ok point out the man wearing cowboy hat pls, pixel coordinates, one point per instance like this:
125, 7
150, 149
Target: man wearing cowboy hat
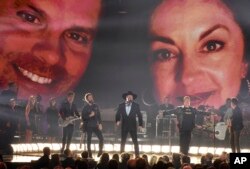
126, 114
92, 122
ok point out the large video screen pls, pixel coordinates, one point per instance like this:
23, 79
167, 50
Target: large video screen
157, 49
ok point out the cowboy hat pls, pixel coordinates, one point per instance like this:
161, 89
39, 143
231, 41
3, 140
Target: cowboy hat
124, 95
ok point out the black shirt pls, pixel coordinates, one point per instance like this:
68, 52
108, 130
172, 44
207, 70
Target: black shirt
94, 120
186, 118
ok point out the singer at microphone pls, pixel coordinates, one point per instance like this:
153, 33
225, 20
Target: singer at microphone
92, 122
126, 116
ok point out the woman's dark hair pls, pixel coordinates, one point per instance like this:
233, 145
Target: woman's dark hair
113, 164
116, 157
234, 101
104, 159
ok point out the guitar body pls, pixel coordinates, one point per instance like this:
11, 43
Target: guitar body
67, 121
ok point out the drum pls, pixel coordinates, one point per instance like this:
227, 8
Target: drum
220, 130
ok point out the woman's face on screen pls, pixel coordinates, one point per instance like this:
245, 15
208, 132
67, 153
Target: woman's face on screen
196, 50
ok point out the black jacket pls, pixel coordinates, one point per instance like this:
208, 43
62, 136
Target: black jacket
129, 121
237, 120
94, 120
186, 118
43, 162
66, 111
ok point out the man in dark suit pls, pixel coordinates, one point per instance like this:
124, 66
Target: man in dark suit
92, 122
68, 109
126, 114
236, 125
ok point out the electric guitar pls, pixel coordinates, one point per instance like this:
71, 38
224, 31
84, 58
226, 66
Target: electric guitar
67, 121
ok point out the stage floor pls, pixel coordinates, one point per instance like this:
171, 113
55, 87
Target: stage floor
28, 152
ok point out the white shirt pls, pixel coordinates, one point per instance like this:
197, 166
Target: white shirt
128, 108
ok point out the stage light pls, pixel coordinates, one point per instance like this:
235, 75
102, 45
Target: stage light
24, 146
73, 147
29, 148
203, 150
175, 149
194, 160
219, 150
56, 146
156, 149
34, 147
194, 150
96, 147
20, 148
108, 147
80, 149
211, 150
47, 145
165, 149
129, 148
228, 150
245, 150
116, 147
146, 148
15, 148
40, 147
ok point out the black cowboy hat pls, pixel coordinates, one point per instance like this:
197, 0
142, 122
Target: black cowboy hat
124, 95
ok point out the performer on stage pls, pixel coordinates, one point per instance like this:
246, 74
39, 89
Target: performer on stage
52, 120
126, 114
9, 122
226, 111
92, 122
236, 126
186, 123
10, 93
31, 116
68, 109
166, 105
163, 108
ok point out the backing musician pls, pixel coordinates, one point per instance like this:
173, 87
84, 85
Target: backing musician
236, 125
162, 112
68, 109
92, 122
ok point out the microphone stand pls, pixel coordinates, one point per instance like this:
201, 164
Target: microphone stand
213, 132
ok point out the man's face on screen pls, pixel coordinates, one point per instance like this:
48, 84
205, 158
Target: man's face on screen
45, 46
196, 53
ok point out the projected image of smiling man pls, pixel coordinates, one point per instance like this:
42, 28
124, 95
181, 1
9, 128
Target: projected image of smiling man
45, 46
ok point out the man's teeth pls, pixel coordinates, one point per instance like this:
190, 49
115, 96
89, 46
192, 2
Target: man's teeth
35, 77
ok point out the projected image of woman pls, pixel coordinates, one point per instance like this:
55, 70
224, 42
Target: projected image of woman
197, 49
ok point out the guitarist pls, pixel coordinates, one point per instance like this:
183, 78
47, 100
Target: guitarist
68, 109
92, 122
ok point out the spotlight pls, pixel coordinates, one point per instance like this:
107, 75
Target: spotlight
203, 150
146, 148
175, 149
194, 150
156, 149
165, 149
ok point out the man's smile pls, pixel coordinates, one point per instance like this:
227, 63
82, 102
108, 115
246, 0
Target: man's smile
34, 77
